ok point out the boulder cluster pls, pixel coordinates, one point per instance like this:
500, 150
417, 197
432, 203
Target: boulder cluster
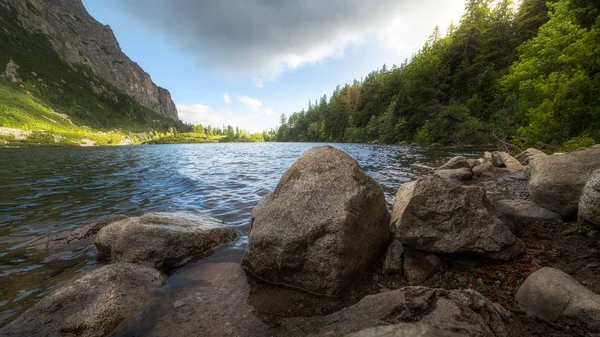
326, 230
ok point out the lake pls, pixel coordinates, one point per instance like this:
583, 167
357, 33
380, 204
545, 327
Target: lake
47, 190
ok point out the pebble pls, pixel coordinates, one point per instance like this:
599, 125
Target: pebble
567, 232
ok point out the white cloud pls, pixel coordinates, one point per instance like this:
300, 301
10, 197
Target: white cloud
268, 111
226, 98
203, 114
252, 103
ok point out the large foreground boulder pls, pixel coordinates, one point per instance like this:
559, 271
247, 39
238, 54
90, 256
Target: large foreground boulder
557, 181
435, 215
93, 305
325, 224
518, 214
465, 312
589, 204
556, 297
162, 240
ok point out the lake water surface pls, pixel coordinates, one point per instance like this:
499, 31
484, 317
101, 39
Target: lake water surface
47, 190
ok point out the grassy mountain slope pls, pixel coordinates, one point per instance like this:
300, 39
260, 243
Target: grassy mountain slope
45, 87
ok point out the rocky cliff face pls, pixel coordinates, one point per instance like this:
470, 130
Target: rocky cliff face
79, 39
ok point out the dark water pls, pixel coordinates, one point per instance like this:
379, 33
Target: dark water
47, 190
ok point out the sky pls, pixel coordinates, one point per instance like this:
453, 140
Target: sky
246, 62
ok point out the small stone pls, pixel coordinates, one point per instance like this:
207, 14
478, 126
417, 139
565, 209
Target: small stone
566, 232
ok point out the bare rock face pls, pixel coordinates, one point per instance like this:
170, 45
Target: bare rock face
589, 204
557, 181
497, 160
465, 312
162, 240
435, 215
79, 39
325, 224
556, 297
93, 305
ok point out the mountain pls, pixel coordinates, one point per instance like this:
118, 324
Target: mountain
63, 72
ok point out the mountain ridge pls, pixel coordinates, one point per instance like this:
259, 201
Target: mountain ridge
79, 39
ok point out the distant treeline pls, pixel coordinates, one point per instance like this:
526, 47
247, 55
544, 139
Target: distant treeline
529, 74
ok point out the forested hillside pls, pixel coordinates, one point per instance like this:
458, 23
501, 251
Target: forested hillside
529, 74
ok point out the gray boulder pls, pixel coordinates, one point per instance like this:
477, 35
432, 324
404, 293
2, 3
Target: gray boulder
459, 174
435, 215
465, 312
517, 214
529, 155
325, 224
419, 266
93, 305
393, 257
557, 181
589, 204
162, 240
497, 160
403, 330
556, 297
455, 163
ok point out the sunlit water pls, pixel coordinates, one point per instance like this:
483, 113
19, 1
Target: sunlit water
47, 190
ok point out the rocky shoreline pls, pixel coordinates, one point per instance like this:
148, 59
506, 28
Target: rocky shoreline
483, 247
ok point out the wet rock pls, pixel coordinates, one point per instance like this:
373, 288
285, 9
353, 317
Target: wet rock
393, 257
435, 215
162, 240
497, 160
459, 174
403, 330
455, 163
465, 312
556, 297
93, 305
76, 237
419, 266
557, 181
589, 203
325, 224
517, 214
528, 155
485, 168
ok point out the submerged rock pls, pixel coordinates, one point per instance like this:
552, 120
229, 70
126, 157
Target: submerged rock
325, 224
403, 330
93, 305
557, 181
529, 155
589, 204
517, 214
554, 296
78, 236
435, 215
162, 240
465, 312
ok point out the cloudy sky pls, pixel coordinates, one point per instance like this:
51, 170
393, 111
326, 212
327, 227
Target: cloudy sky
246, 62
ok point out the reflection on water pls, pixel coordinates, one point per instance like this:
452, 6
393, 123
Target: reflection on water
47, 190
